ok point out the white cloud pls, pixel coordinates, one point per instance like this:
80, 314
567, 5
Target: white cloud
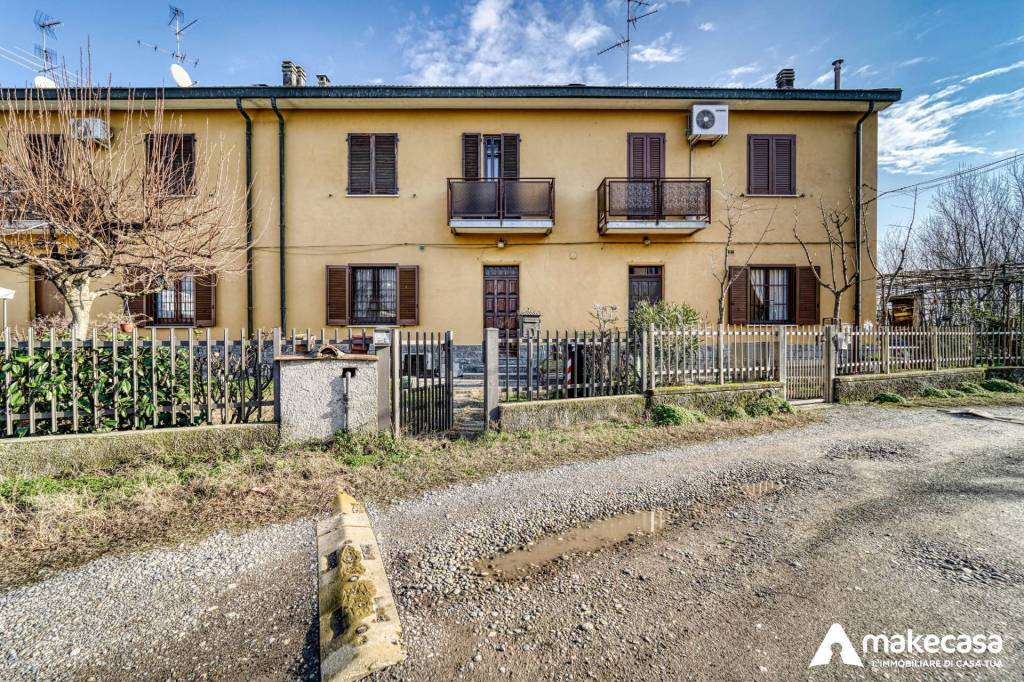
503, 42
915, 61
1016, 41
707, 27
920, 134
823, 78
995, 72
743, 70
866, 71
659, 51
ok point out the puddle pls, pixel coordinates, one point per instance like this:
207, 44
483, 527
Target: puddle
760, 488
586, 538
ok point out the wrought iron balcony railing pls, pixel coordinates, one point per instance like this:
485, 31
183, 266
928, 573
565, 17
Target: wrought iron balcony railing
666, 202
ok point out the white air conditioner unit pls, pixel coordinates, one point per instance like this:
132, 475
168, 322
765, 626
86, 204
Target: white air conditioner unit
91, 130
709, 120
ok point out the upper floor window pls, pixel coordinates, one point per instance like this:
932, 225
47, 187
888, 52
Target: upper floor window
646, 155
771, 164
373, 163
171, 159
489, 156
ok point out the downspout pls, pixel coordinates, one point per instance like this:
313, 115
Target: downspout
280, 218
857, 214
248, 215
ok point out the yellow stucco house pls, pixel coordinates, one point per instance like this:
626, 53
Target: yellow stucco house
456, 208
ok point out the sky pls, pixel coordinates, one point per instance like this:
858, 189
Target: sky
960, 64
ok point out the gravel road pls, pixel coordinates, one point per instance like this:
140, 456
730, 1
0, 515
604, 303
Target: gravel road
877, 519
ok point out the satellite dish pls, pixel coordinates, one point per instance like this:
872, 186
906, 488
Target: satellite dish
44, 82
180, 76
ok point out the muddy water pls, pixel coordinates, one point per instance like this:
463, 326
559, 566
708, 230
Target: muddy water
586, 538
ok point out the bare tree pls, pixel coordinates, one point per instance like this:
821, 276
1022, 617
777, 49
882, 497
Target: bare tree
737, 211
843, 268
893, 255
124, 216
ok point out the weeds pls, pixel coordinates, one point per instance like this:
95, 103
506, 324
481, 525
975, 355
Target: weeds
768, 406
889, 398
1002, 386
673, 415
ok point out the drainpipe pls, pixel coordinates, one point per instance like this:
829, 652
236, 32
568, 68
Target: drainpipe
280, 218
248, 215
857, 215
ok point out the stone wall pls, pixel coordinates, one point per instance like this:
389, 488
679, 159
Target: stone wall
1008, 373
713, 399
867, 386
549, 414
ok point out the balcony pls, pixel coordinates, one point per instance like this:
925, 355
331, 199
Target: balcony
653, 205
501, 206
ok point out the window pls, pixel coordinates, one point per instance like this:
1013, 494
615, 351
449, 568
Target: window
372, 163
769, 295
45, 153
646, 155
644, 284
374, 295
176, 303
490, 156
771, 164
171, 159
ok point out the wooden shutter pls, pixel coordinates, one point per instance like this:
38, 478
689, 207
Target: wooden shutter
656, 156
408, 295
185, 170
510, 156
385, 164
337, 295
646, 155
759, 164
808, 296
637, 156
739, 295
360, 179
471, 155
138, 308
784, 164
206, 300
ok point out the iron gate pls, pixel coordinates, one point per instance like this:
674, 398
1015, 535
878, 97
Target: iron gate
425, 364
806, 369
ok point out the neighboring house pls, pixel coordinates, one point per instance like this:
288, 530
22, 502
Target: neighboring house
456, 207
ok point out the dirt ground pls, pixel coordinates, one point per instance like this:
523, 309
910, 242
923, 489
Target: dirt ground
877, 519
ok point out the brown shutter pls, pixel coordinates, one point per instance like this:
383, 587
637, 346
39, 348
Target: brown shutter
206, 300
471, 155
758, 164
637, 156
138, 308
337, 295
808, 296
509, 156
186, 168
783, 164
359, 176
408, 295
656, 156
385, 164
739, 295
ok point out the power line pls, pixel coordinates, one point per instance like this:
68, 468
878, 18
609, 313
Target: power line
932, 183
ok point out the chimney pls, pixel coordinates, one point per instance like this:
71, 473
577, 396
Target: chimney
288, 74
785, 78
323, 80
300, 76
837, 69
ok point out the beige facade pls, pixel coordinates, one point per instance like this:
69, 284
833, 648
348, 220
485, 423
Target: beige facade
577, 140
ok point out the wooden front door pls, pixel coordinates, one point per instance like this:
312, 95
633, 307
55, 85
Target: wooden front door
501, 297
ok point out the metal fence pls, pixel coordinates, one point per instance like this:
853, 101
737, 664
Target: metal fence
422, 374
884, 350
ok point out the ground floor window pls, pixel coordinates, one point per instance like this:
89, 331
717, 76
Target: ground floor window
176, 304
769, 295
645, 284
374, 295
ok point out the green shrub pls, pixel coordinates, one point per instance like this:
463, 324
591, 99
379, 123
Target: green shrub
954, 393
768, 406
933, 392
1001, 386
673, 415
664, 315
890, 398
970, 388
733, 412
376, 449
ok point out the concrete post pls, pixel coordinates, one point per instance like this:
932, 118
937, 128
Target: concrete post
383, 352
491, 388
934, 342
885, 350
780, 357
830, 361
396, 382
652, 368
721, 354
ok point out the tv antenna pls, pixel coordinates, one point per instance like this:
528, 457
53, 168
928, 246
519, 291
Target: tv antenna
43, 60
47, 27
635, 11
176, 19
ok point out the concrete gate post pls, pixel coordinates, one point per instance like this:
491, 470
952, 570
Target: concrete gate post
491, 387
780, 357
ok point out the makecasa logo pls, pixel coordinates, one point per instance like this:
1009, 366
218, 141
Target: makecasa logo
922, 649
847, 654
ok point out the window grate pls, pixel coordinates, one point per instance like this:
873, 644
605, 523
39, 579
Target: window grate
374, 295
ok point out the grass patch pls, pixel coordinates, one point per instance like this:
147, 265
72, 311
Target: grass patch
889, 399
971, 388
954, 393
768, 406
733, 412
1002, 386
49, 523
674, 415
933, 392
